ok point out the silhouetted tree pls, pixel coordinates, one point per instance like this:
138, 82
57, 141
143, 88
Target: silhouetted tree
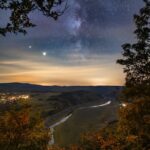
136, 57
19, 11
134, 119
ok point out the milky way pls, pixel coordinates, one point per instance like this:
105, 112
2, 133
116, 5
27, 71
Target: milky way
81, 47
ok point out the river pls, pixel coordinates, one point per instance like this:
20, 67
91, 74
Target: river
52, 141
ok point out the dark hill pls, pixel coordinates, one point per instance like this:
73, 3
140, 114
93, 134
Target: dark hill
25, 87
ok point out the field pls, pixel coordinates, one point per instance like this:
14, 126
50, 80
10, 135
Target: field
55, 105
84, 120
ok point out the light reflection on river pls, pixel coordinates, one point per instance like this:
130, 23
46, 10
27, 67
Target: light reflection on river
52, 141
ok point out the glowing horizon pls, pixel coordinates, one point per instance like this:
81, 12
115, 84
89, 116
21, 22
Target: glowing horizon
80, 48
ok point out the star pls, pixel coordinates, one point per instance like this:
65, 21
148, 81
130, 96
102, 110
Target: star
30, 46
44, 53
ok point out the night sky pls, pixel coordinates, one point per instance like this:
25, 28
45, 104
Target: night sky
80, 48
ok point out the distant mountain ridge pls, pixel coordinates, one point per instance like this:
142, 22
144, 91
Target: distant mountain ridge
26, 87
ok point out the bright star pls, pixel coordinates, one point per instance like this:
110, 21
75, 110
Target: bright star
44, 53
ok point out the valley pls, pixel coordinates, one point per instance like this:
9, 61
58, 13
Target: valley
83, 120
70, 112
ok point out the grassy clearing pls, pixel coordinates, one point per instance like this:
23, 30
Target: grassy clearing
86, 120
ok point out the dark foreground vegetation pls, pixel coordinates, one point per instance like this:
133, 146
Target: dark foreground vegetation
22, 128
19, 20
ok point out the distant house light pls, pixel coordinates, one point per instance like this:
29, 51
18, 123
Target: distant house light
123, 105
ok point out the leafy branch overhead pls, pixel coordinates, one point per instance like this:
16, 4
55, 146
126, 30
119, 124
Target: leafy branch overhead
19, 10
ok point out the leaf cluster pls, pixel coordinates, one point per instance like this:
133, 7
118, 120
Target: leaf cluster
20, 10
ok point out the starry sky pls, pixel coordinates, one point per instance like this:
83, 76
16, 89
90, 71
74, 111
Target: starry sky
80, 48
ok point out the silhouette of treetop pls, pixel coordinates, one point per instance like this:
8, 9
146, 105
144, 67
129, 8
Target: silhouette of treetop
136, 56
19, 10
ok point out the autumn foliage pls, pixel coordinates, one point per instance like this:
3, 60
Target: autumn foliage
22, 129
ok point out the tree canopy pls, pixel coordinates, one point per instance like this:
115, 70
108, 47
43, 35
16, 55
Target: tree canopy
19, 11
21, 128
136, 56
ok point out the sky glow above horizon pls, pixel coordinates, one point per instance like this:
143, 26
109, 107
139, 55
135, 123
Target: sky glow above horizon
80, 48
